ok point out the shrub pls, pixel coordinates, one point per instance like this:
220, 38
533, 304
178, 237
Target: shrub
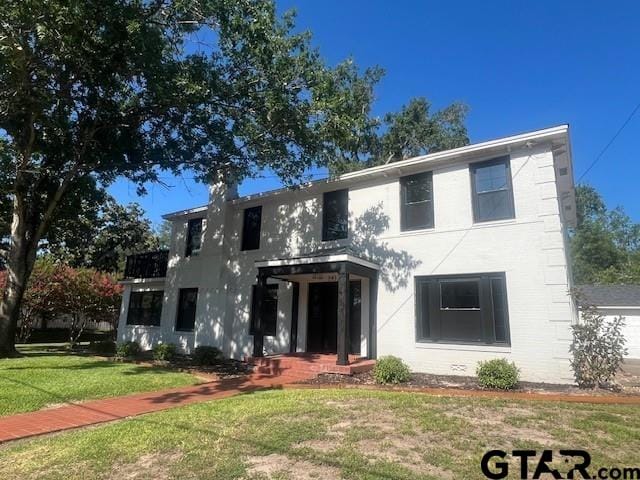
164, 351
498, 373
103, 347
390, 369
128, 349
207, 355
597, 349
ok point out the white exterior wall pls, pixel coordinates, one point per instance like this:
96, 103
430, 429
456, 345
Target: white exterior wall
530, 250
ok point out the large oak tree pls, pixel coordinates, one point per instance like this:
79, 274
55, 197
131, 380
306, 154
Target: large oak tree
92, 90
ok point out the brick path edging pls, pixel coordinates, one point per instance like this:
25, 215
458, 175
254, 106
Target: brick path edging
456, 392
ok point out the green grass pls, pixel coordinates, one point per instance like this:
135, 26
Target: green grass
325, 434
43, 378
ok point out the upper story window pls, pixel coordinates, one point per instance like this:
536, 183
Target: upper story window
335, 215
194, 237
417, 201
251, 228
145, 308
462, 309
492, 190
187, 301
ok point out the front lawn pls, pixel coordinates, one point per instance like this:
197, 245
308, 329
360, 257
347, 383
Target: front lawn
327, 434
44, 378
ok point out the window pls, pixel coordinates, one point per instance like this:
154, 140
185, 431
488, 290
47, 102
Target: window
417, 201
462, 309
335, 215
145, 308
187, 301
251, 228
194, 237
492, 190
459, 295
269, 310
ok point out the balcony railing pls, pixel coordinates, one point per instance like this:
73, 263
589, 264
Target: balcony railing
147, 265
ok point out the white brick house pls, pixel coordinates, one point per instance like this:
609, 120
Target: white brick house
442, 260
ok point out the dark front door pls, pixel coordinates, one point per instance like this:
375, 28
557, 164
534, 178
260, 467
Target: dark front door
322, 322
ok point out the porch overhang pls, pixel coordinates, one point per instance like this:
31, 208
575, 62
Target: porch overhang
342, 261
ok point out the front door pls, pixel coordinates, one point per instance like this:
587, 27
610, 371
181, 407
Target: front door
322, 322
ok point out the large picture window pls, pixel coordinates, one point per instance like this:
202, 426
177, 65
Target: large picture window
194, 237
492, 190
187, 301
462, 309
269, 310
251, 228
417, 201
145, 308
335, 215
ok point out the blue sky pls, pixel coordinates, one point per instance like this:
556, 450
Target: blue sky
519, 66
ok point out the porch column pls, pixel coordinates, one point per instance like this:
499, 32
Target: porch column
372, 342
258, 335
343, 316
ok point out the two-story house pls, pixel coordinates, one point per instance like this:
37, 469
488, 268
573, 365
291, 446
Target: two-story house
443, 260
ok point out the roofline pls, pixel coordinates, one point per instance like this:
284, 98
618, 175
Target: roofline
550, 132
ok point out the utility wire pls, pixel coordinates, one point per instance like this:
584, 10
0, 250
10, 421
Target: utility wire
613, 139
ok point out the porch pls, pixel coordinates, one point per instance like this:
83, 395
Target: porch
336, 294
305, 364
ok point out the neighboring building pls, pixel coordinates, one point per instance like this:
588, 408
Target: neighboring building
443, 260
614, 301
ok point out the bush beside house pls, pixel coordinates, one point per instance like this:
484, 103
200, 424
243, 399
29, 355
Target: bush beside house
597, 349
498, 373
390, 369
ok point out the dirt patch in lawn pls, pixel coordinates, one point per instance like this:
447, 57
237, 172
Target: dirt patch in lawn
276, 465
151, 465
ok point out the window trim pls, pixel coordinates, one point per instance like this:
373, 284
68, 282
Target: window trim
243, 241
473, 167
325, 232
195, 313
421, 302
134, 292
268, 286
403, 202
189, 251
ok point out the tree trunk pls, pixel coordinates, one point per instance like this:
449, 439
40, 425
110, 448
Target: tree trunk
22, 256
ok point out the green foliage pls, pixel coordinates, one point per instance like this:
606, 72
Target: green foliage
597, 349
390, 369
102, 237
92, 91
165, 351
605, 245
411, 132
498, 373
207, 355
128, 349
103, 347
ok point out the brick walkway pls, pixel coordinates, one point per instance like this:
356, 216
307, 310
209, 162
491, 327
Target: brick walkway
74, 415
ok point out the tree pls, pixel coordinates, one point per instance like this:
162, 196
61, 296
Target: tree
163, 234
605, 245
411, 132
103, 239
94, 90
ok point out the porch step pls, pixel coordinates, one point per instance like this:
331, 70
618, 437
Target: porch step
308, 365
